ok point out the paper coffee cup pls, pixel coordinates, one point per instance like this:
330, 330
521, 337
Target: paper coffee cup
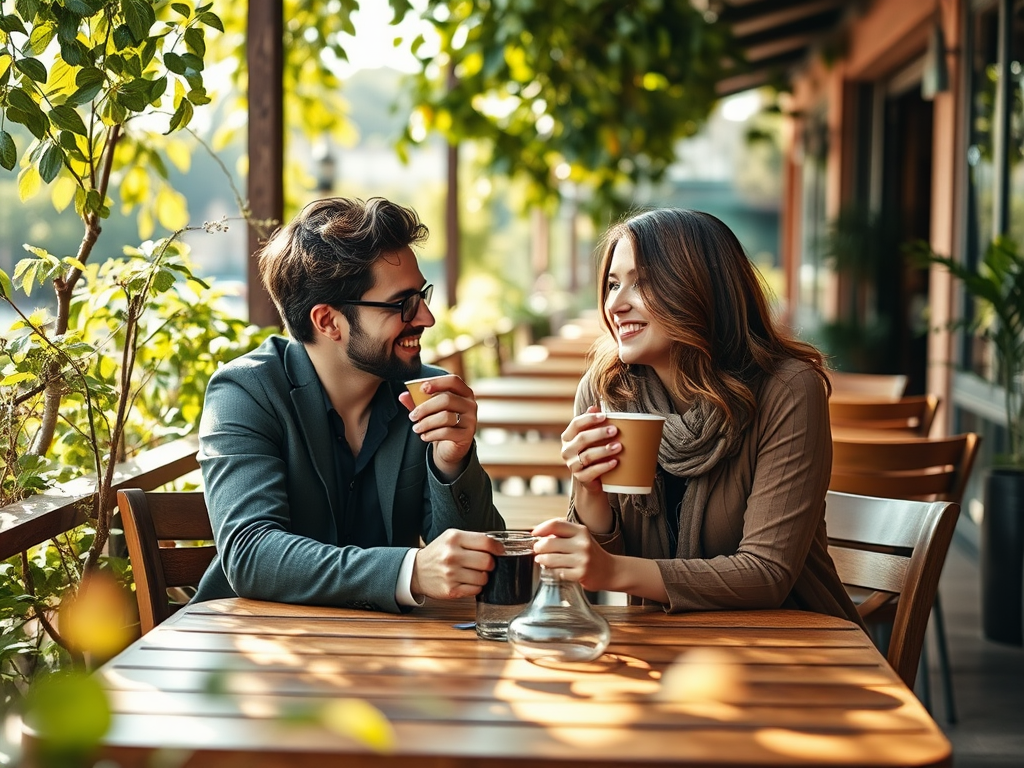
640, 435
419, 397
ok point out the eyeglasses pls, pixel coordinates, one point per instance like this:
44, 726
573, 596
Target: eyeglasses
408, 306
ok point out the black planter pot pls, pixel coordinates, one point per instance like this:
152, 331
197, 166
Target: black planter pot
1002, 557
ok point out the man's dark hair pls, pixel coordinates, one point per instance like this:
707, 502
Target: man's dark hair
326, 253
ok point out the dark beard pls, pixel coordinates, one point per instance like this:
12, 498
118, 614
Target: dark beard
378, 359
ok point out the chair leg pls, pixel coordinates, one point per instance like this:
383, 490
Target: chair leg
944, 667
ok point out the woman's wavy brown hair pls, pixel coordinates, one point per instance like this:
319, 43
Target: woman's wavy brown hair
699, 286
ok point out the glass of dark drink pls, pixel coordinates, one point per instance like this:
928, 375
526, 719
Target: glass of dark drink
509, 587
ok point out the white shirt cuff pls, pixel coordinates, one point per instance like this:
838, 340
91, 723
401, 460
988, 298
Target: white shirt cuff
403, 589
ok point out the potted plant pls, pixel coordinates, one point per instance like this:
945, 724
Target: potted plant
998, 288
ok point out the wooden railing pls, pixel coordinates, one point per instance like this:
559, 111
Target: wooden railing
43, 516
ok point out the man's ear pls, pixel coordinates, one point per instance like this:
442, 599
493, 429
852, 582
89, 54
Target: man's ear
328, 322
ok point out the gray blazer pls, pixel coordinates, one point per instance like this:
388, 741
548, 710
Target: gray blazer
266, 452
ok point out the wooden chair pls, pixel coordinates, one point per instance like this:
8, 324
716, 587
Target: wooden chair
154, 522
914, 414
871, 386
930, 469
923, 468
893, 548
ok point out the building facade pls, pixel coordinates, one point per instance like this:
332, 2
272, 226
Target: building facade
909, 130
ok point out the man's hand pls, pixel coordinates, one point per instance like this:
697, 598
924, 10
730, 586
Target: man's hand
448, 420
455, 564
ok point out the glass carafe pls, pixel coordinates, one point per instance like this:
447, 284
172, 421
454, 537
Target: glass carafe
559, 624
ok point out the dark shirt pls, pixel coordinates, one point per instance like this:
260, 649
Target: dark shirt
675, 487
358, 516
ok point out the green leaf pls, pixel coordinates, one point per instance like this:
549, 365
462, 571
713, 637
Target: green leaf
16, 378
73, 52
41, 36
89, 76
79, 8
27, 9
163, 280
68, 141
181, 117
129, 99
32, 69
52, 162
19, 98
93, 201
84, 95
156, 89
181, 9
211, 19
8, 151
198, 96
140, 17
195, 41
174, 63
115, 63
148, 51
68, 119
123, 37
24, 110
192, 61
114, 113
134, 66
11, 23
6, 286
67, 22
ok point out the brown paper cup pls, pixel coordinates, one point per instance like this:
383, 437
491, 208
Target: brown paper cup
640, 435
419, 397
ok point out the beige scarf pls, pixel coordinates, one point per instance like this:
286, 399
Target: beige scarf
692, 445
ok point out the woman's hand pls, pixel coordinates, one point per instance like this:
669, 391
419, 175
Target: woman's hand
589, 448
570, 549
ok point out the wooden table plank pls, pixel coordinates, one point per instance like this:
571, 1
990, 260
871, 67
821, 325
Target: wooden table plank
545, 388
551, 366
563, 346
522, 458
608, 745
524, 416
531, 509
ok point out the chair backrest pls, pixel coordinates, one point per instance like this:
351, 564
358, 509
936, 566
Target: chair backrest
923, 468
892, 548
156, 524
875, 386
914, 414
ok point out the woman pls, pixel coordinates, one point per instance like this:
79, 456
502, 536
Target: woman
736, 517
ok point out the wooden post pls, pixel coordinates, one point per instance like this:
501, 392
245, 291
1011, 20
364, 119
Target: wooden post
452, 256
265, 55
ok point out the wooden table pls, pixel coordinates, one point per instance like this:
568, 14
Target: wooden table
525, 512
551, 366
522, 458
759, 688
550, 388
561, 346
524, 415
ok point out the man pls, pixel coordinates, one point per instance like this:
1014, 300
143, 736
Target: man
320, 487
